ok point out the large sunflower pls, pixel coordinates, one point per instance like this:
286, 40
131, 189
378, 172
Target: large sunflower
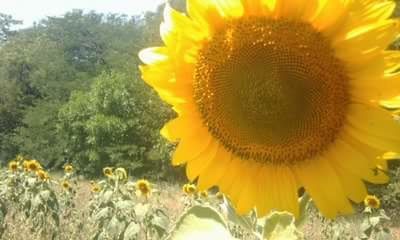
273, 95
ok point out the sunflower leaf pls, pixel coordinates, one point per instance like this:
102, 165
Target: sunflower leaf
281, 226
199, 223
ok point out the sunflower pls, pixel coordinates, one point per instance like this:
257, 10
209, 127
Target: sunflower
274, 95
42, 175
32, 165
143, 187
108, 171
13, 166
372, 201
189, 189
66, 185
219, 196
204, 194
96, 188
121, 174
68, 168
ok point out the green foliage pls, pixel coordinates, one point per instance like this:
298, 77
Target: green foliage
31, 197
42, 65
201, 222
116, 123
118, 213
281, 226
37, 135
390, 194
6, 23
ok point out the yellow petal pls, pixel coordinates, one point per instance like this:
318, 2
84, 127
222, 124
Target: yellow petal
215, 169
256, 8
247, 199
178, 30
205, 14
197, 165
364, 13
153, 55
296, 9
191, 146
178, 128
352, 185
286, 187
265, 199
374, 89
371, 39
350, 155
330, 15
391, 104
378, 128
232, 172
241, 182
392, 61
229, 8
324, 187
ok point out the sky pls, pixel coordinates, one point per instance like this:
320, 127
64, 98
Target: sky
30, 11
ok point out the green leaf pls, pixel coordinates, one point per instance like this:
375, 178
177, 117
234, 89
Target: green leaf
374, 220
115, 228
247, 221
303, 204
160, 222
383, 234
141, 209
281, 226
200, 223
102, 214
132, 231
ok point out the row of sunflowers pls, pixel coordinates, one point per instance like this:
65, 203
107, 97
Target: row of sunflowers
120, 208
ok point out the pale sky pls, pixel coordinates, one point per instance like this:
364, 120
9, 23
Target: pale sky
31, 11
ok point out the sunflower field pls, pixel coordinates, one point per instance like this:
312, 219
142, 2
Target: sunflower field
203, 119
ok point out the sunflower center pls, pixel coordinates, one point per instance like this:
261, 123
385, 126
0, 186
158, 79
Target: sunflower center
271, 90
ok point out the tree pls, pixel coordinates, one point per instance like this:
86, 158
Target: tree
6, 24
116, 123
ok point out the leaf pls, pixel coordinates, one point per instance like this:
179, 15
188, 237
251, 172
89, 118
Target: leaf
141, 209
107, 196
125, 205
245, 221
383, 234
281, 226
160, 222
132, 231
115, 227
374, 220
200, 223
303, 204
102, 214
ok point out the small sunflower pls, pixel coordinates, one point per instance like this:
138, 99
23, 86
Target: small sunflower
274, 95
68, 168
372, 201
108, 171
13, 166
25, 164
189, 189
33, 165
204, 194
96, 188
143, 186
42, 175
219, 196
66, 185
121, 174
